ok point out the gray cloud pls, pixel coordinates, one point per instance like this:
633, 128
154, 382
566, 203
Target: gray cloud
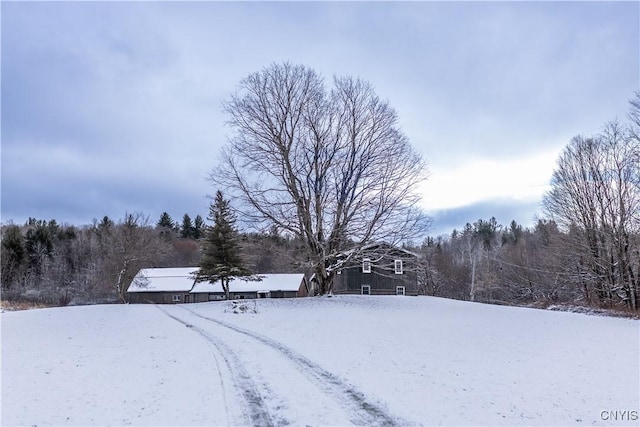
504, 211
119, 104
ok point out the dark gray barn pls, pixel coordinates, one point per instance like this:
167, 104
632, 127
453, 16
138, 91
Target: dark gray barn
177, 285
271, 286
162, 286
379, 269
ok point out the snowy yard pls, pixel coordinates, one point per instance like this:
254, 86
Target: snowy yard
318, 361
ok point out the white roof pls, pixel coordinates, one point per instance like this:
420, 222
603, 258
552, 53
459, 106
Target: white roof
269, 283
181, 280
163, 280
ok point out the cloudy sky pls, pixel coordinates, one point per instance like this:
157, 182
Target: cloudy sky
110, 108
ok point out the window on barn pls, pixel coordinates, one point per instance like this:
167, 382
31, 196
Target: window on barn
399, 290
398, 266
366, 290
366, 265
176, 298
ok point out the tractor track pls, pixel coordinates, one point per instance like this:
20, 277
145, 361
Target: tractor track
361, 409
254, 405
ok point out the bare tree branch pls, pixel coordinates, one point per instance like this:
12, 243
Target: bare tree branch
331, 168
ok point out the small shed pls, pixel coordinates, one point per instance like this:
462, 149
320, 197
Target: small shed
162, 285
271, 286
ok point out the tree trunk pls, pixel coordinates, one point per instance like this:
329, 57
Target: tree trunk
325, 284
225, 287
119, 287
472, 293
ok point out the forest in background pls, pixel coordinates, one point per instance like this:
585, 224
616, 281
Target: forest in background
48, 263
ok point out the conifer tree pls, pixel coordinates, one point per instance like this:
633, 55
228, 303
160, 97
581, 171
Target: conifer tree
14, 255
221, 258
186, 231
198, 227
165, 221
166, 226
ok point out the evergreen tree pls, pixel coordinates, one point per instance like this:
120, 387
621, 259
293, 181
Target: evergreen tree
221, 258
186, 231
38, 243
106, 223
103, 228
165, 221
13, 255
166, 226
198, 227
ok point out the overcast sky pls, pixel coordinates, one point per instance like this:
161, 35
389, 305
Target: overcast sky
114, 107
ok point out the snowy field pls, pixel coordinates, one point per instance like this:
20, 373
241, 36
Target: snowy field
318, 361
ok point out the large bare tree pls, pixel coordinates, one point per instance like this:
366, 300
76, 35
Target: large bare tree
328, 166
595, 198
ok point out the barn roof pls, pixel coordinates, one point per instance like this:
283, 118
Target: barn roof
382, 247
181, 280
163, 280
269, 282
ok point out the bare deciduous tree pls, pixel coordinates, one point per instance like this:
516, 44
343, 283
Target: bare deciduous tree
127, 247
595, 197
331, 168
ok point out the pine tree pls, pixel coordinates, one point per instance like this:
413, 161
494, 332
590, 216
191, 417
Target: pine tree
165, 221
198, 227
14, 255
166, 226
221, 258
186, 231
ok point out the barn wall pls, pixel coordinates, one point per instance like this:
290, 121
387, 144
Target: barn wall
206, 297
158, 297
284, 294
200, 297
382, 282
145, 297
243, 295
303, 291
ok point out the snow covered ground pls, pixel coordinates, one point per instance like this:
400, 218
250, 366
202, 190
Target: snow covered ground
318, 361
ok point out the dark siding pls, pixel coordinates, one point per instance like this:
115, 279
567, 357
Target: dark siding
157, 297
243, 295
382, 281
185, 297
284, 294
206, 297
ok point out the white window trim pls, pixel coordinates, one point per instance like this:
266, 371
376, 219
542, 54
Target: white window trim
366, 265
176, 298
400, 289
397, 263
368, 289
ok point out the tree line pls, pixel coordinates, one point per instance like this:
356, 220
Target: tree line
325, 168
485, 261
46, 262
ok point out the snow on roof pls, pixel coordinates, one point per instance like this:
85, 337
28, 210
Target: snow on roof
269, 283
181, 280
163, 280
371, 248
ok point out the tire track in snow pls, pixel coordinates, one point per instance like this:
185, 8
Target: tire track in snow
258, 414
363, 410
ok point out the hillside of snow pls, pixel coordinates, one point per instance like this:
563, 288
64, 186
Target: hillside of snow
318, 361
